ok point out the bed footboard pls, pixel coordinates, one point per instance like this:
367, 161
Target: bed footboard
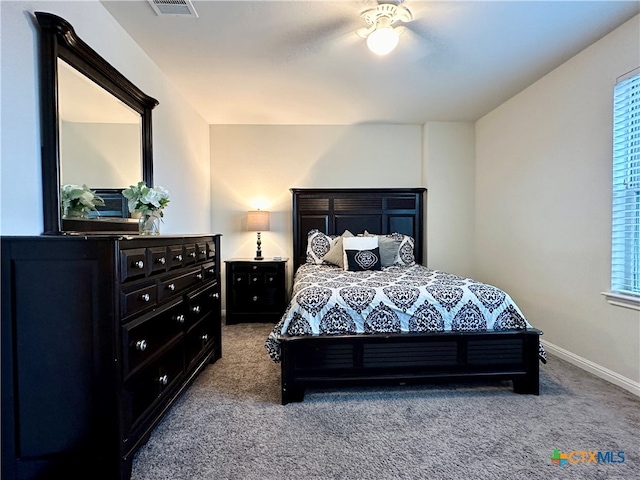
406, 358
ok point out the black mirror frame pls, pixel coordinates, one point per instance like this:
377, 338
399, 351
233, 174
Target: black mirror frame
59, 40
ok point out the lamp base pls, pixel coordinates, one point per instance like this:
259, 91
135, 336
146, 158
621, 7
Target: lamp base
258, 249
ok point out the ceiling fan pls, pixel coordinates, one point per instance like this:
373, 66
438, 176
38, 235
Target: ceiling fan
382, 37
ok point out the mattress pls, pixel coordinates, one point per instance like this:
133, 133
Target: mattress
327, 300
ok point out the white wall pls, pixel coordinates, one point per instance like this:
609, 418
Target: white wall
255, 166
543, 206
180, 135
449, 175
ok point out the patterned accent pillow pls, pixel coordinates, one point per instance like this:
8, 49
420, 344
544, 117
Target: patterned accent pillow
318, 245
405, 251
361, 253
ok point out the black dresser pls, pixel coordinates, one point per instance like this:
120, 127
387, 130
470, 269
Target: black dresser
100, 335
255, 290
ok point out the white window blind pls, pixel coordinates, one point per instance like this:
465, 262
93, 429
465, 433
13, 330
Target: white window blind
625, 261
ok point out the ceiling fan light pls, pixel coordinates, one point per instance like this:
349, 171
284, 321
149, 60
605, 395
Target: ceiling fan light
382, 40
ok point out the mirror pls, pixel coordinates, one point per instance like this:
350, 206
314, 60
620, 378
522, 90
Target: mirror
96, 129
100, 136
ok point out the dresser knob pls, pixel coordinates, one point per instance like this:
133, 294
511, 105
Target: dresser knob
211, 271
171, 287
192, 254
202, 252
254, 279
215, 295
199, 276
139, 264
205, 337
255, 298
178, 258
141, 345
163, 380
195, 309
179, 318
161, 260
255, 267
145, 297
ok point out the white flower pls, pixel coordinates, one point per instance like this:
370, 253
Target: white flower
144, 199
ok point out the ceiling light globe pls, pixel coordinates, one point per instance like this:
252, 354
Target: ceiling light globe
382, 40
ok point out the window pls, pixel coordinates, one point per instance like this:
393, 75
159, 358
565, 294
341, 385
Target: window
625, 256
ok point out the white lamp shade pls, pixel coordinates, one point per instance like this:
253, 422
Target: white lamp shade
258, 221
382, 40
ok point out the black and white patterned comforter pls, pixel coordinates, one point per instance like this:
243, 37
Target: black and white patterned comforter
329, 300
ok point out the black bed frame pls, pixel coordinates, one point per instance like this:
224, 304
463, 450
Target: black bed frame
402, 358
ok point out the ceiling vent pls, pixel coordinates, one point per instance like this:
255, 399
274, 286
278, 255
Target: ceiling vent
173, 7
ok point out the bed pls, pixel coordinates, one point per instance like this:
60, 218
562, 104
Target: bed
385, 318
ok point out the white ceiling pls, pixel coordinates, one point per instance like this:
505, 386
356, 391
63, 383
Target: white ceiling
301, 63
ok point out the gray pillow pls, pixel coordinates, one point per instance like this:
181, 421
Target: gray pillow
389, 248
335, 255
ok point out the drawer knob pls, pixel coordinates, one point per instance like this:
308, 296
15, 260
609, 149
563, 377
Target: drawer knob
211, 271
199, 276
271, 279
205, 337
161, 260
178, 257
215, 295
195, 309
179, 318
141, 345
139, 264
192, 254
202, 252
163, 380
172, 287
145, 297
255, 298
255, 267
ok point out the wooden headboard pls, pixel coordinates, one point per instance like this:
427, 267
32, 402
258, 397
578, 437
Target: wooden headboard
377, 210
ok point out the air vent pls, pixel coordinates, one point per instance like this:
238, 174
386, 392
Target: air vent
173, 7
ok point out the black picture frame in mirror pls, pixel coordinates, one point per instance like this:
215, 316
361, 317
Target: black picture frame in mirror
58, 39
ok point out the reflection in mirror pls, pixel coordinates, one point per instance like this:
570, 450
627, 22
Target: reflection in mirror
100, 136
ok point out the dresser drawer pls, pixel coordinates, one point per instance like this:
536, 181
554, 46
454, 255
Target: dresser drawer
157, 260
198, 340
211, 250
201, 251
176, 285
210, 272
145, 337
175, 254
190, 254
139, 299
133, 264
152, 383
200, 303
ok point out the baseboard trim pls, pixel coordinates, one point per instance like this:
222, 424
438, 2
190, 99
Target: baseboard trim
591, 367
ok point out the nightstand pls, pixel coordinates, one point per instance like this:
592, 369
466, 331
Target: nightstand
256, 290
